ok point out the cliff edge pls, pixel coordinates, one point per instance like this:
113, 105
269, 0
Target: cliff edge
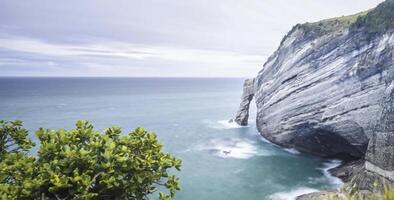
328, 90
320, 92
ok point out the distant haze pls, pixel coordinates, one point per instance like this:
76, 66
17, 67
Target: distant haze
146, 38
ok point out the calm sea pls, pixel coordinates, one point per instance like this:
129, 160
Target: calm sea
190, 117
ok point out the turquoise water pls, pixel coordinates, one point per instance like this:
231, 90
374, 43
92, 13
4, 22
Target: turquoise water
190, 117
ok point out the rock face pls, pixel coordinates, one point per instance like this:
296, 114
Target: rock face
380, 154
320, 92
247, 95
325, 195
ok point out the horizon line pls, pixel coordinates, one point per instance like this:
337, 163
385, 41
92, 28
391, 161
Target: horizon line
229, 77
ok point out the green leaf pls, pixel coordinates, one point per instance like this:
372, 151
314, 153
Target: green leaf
85, 164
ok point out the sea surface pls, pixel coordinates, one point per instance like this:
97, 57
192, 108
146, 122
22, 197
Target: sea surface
190, 116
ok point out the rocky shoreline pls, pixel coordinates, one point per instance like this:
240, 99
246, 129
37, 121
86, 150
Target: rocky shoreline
328, 90
356, 178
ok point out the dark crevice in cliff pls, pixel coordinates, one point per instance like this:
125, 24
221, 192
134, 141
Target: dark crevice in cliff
289, 79
330, 144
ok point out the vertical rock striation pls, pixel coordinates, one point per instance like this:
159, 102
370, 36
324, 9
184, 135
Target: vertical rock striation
247, 95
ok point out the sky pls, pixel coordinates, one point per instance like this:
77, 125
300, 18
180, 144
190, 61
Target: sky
152, 38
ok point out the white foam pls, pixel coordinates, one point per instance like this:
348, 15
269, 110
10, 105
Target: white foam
229, 124
225, 124
327, 178
232, 148
292, 194
291, 150
262, 138
335, 181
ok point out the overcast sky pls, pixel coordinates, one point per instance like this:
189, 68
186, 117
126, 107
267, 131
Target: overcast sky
152, 38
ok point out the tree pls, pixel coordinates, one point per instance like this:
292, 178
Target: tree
84, 164
13, 138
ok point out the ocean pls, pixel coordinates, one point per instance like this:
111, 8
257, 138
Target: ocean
190, 116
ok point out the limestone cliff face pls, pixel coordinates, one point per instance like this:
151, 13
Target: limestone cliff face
321, 91
380, 154
242, 115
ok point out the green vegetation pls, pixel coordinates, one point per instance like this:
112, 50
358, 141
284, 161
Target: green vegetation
331, 25
84, 164
377, 20
349, 19
386, 194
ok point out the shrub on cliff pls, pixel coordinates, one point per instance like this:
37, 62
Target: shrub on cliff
385, 193
84, 164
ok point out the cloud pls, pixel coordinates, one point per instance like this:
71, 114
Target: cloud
129, 51
150, 37
119, 56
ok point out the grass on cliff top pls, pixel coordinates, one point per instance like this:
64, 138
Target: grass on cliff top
334, 24
344, 21
349, 19
376, 20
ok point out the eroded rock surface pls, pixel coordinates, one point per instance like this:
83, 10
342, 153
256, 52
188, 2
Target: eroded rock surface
328, 90
324, 195
242, 115
380, 154
320, 91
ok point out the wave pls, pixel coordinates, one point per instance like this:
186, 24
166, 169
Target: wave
232, 148
292, 194
223, 124
291, 150
335, 182
262, 138
229, 124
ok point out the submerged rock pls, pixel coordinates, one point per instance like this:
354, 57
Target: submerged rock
242, 115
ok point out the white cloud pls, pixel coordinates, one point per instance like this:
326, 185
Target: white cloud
153, 38
130, 51
127, 59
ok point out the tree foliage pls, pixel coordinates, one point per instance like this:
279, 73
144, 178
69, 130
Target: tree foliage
84, 164
13, 138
